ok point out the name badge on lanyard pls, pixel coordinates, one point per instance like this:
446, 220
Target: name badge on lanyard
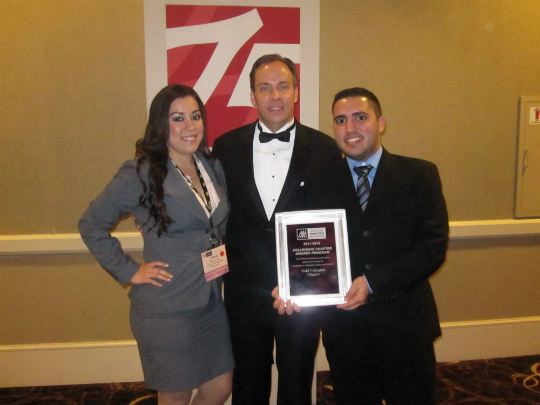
215, 263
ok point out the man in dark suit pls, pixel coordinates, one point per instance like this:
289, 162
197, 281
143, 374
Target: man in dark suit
267, 174
379, 344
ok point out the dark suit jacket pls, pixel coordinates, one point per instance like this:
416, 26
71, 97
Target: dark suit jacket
251, 244
398, 242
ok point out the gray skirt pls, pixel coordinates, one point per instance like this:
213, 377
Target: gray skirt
183, 350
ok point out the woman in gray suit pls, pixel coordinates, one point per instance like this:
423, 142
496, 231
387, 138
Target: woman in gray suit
177, 193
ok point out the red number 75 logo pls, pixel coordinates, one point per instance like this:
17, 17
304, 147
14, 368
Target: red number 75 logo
212, 49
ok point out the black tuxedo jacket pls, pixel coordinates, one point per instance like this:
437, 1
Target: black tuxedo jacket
250, 239
398, 242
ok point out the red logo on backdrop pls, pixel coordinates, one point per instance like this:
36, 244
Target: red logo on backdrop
212, 49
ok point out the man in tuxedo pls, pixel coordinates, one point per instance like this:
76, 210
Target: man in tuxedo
379, 344
272, 165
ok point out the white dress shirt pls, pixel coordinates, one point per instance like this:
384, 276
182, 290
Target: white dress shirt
214, 197
271, 162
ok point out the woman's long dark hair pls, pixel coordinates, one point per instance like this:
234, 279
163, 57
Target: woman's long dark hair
152, 148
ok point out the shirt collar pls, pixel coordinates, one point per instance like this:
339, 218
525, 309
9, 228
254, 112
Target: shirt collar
373, 160
287, 125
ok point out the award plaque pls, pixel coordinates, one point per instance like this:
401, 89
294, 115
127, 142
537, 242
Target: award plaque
313, 257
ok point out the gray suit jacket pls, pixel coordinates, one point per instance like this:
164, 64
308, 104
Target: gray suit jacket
181, 246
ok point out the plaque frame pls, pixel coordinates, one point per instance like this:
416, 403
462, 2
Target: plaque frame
340, 240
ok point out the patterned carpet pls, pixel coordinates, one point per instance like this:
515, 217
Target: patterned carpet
507, 381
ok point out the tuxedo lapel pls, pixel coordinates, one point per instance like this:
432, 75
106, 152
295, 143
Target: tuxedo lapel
295, 175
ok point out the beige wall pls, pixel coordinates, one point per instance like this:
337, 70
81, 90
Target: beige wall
73, 103
449, 74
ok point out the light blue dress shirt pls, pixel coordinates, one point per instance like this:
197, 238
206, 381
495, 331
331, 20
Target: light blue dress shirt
373, 160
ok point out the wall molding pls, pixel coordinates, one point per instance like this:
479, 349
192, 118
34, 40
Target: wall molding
107, 362
132, 241
494, 228
60, 243
483, 339
69, 363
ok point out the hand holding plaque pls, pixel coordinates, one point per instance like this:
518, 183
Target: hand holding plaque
313, 257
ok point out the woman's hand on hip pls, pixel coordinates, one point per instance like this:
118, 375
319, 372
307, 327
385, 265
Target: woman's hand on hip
148, 273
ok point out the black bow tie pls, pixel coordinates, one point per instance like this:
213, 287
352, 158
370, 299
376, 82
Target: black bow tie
283, 136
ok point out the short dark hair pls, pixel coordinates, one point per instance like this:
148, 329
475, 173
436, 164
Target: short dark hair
269, 58
359, 92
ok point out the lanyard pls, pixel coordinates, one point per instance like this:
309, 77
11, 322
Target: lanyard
205, 190
206, 198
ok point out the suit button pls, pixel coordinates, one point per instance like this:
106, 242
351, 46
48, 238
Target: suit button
269, 230
366, 234
208, 230
367, 266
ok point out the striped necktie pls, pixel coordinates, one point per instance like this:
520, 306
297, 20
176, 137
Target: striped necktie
362, 186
